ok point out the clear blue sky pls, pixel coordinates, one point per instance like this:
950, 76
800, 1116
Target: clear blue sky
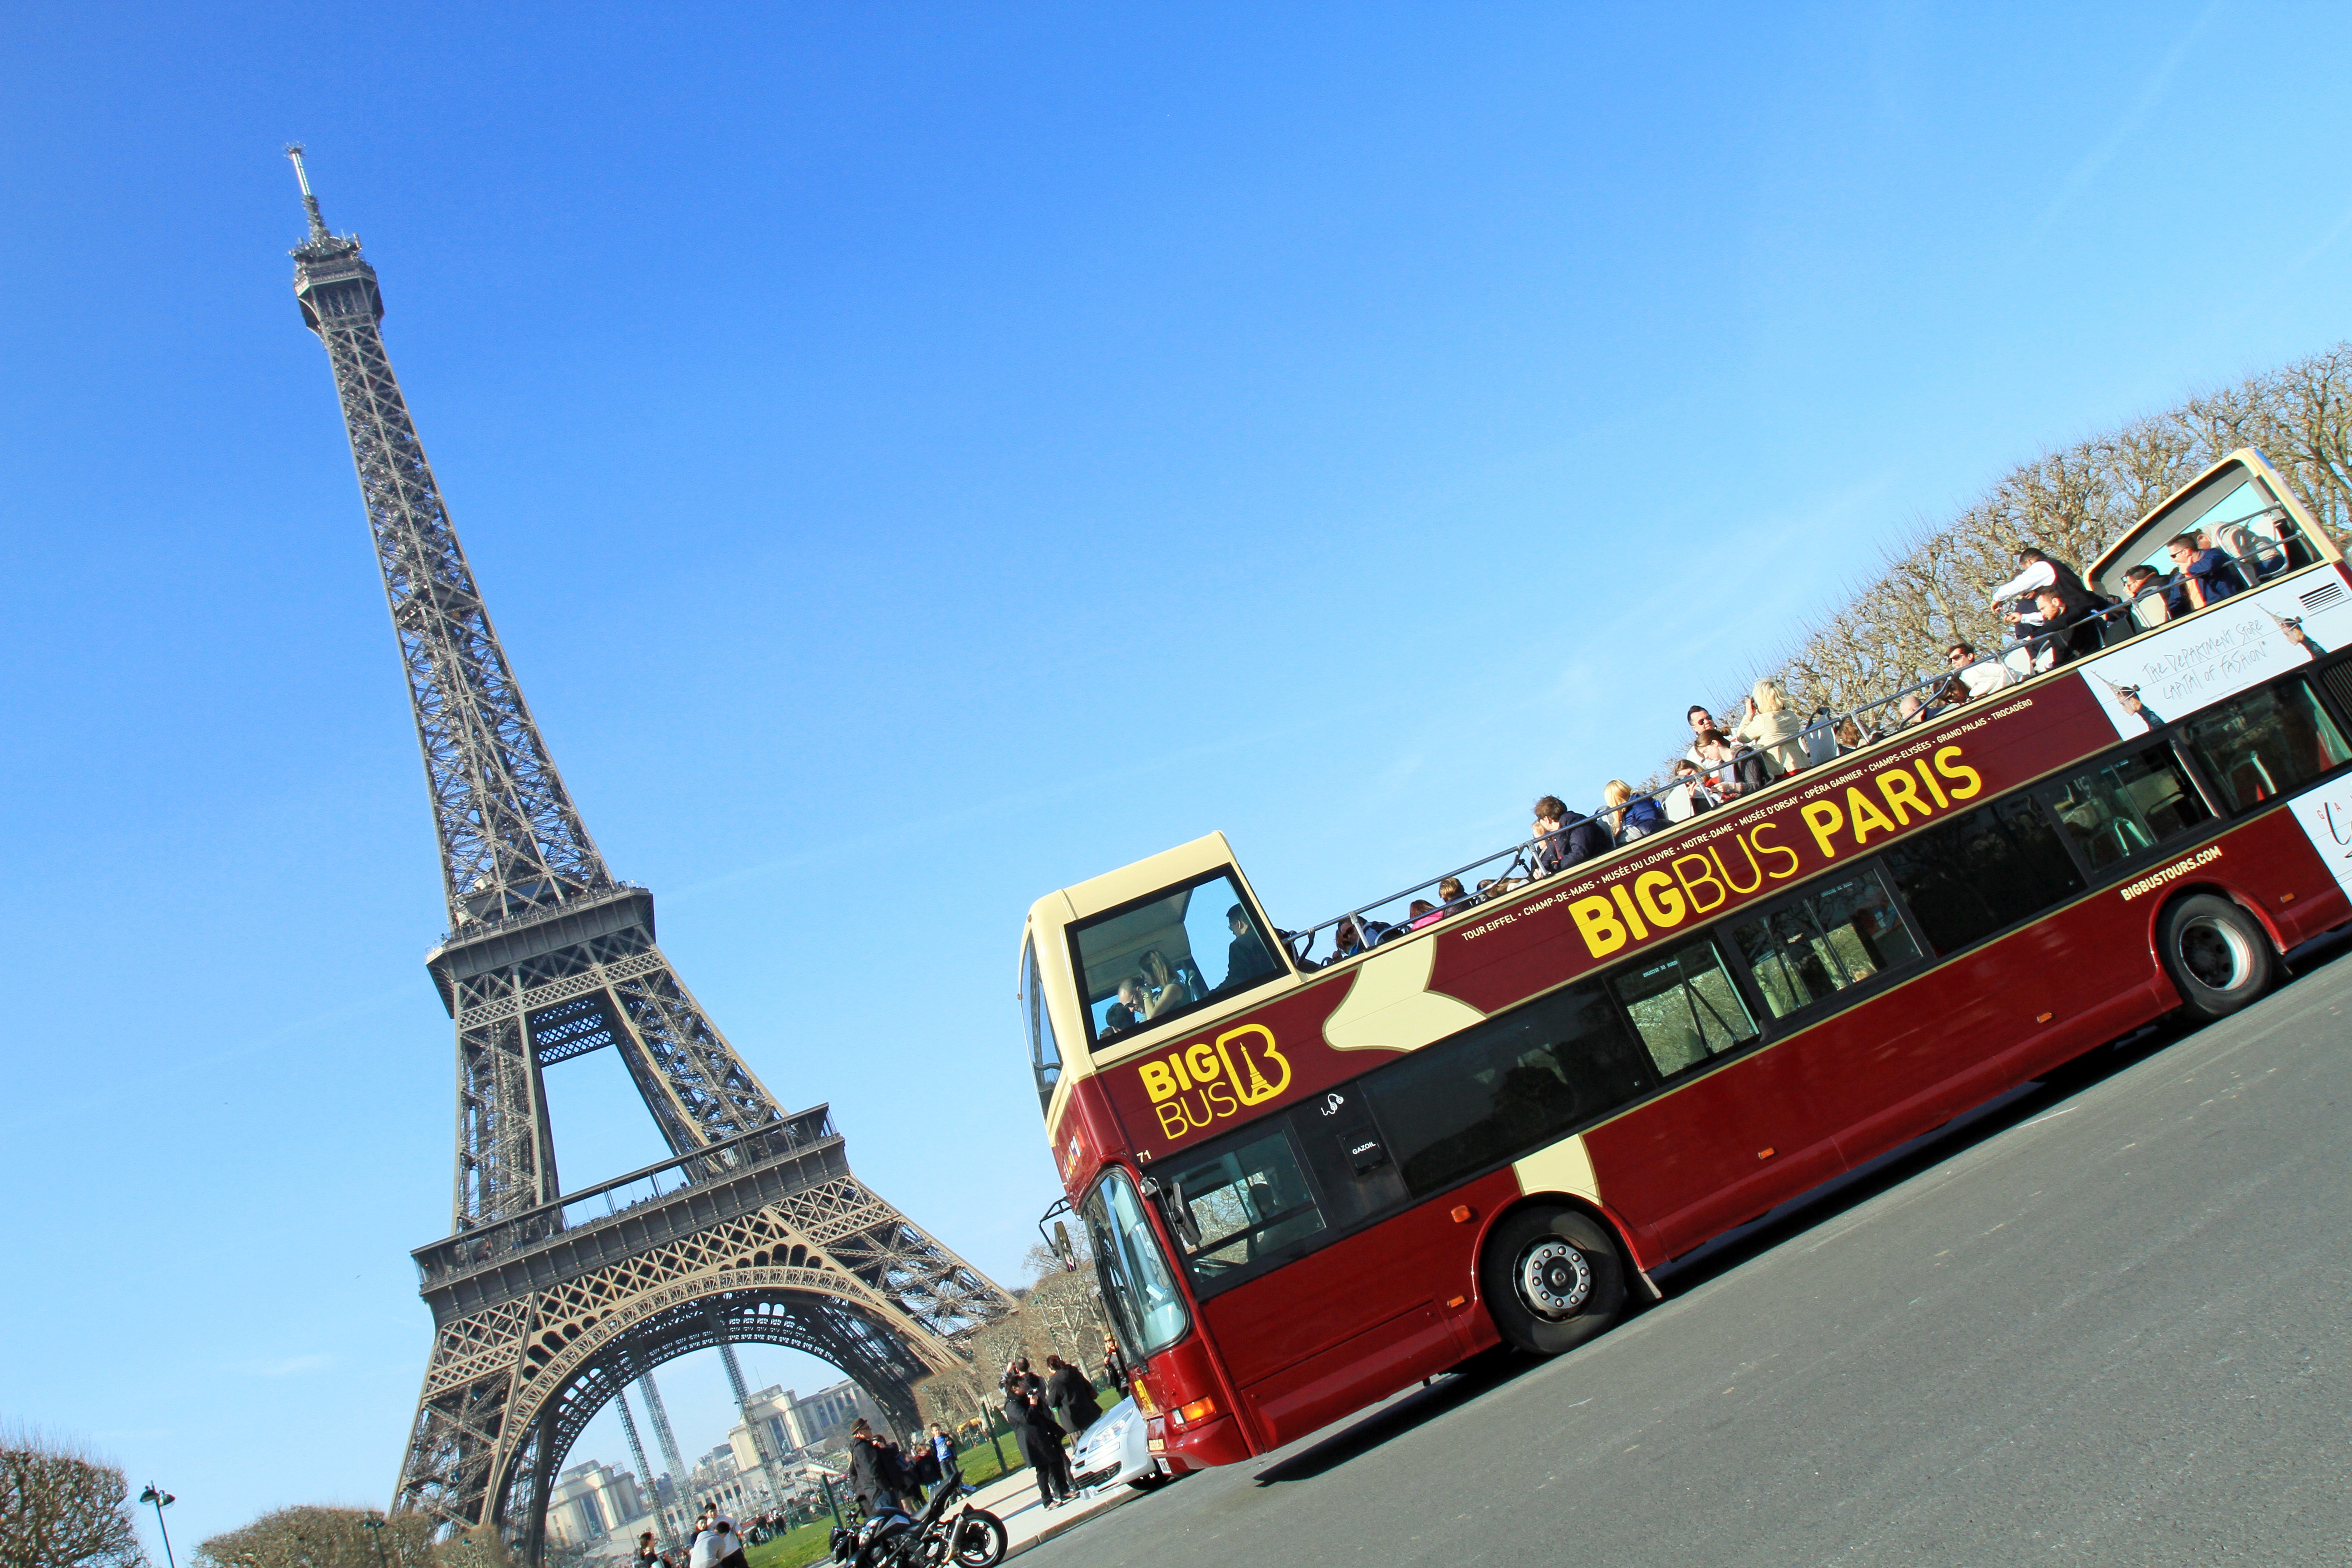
922, 457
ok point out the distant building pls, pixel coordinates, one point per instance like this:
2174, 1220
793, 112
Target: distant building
794, 1425
589, 1502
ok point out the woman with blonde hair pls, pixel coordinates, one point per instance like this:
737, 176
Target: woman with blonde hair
1629, 819
1772, 727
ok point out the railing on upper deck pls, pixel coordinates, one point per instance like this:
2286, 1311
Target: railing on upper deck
1514, 866
609, 1200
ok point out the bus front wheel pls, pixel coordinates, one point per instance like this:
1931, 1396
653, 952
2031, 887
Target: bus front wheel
1552, 1280
2217, 957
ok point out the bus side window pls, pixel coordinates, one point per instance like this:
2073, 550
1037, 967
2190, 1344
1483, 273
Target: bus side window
1684, 1007
1817, 945
2125, 806
1974, 874
2265, 743
1507, 1087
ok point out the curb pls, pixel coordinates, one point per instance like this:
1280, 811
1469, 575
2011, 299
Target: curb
1063, 1527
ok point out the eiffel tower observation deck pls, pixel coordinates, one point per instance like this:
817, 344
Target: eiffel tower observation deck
546, 1304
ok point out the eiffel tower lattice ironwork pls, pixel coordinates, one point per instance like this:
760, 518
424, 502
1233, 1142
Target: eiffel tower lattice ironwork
546, 1304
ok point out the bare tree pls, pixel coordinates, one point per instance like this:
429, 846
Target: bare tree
1936, 581
325, 1538
61, 1509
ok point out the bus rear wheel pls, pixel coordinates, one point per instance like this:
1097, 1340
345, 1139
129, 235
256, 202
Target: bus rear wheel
1552, 1280
2217, 957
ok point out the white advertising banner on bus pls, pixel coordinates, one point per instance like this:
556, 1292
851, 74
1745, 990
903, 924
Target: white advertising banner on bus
2248, 638
2325, 816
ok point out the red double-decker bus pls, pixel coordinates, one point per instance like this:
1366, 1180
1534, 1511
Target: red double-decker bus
1306, 1186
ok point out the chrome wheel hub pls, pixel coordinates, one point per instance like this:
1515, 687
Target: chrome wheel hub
1553, 1278
2215, 953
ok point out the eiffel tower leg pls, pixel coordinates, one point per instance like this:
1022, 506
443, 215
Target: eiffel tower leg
645, 1472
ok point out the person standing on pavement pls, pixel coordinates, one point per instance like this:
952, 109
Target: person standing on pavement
1034, 1427
1070, 1396
728, 1550
943, 1454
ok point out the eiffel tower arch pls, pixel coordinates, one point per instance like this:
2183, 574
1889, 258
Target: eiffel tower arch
546, 1304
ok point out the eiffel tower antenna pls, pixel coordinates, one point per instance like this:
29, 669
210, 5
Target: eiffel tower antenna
545, 1303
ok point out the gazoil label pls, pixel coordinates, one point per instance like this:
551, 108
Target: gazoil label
1194, 1087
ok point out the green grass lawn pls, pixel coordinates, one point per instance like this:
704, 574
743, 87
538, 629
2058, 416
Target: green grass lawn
803, 1543
806, 1544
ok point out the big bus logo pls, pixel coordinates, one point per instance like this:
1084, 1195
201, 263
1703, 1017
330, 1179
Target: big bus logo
1198, 1085
1706, 878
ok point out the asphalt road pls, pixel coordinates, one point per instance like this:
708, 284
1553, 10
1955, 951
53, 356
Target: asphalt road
2108, 1323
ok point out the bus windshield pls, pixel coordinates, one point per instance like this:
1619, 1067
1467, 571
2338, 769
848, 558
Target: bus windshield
1146, 1308
1177, 950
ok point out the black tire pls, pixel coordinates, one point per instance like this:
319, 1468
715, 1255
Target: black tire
980, 1540
1552, 1280
2217, 956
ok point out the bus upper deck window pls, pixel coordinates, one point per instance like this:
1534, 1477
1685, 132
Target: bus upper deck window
1180, 949
1045, 1050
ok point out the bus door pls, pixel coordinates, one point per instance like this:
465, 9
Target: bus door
1313, 1314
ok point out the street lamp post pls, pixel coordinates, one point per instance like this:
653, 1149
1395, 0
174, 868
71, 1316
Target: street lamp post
375, 1522
161, 1500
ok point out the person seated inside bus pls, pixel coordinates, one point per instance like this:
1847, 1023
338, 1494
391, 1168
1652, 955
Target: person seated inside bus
2206, 574
1246, 958
2149, 592
1564, 838
1164, 992
1126, 1010
1851, 736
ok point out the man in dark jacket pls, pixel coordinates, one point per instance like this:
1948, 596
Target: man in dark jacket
874, 1468
1070, 1396
2205, 574
1246, 958
2067, 635
1564, 838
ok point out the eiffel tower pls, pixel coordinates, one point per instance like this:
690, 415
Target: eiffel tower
547, 1304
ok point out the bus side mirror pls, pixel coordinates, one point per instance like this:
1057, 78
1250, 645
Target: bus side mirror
1063, 1249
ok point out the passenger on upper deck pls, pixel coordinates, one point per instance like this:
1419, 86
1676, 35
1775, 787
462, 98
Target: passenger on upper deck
1166, 993
1690, 795
2154, 609
1730, 772
1772, 727
1629, 818
1700, 721
1449, 890
2068, 633
1246, 958
2206, 574
1565, 838
1126, 1011
1980, 677
1421, 912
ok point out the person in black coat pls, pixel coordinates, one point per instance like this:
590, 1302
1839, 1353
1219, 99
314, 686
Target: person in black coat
1565, 838
1246, 958
1070, 1396
1035, 1429
874, 1469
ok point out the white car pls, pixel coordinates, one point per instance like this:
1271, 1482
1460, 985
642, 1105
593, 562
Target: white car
1114, 1450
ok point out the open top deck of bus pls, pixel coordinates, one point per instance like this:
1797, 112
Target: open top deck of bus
1189, 913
